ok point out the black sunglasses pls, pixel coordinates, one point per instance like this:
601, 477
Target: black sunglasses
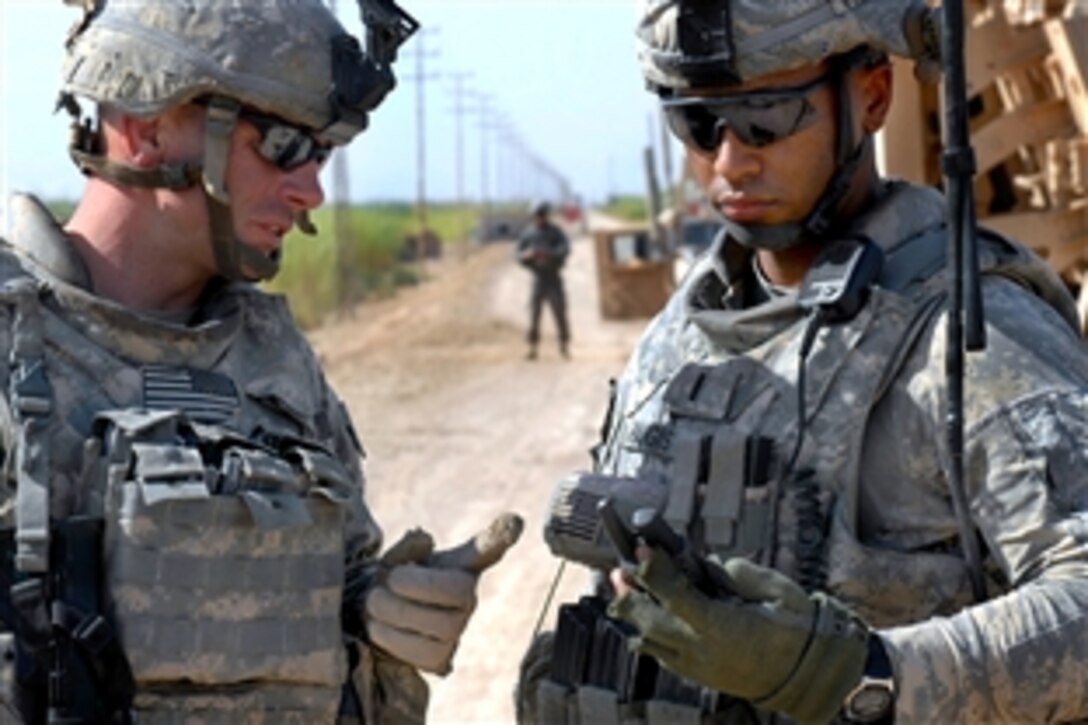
283, 144
758, 118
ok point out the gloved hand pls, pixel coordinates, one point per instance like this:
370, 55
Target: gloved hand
421, 600
768, 642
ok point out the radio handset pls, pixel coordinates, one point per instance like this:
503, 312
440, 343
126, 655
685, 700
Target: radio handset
838, 283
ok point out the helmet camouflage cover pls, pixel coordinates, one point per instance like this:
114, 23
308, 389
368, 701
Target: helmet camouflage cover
699, 43
290, 58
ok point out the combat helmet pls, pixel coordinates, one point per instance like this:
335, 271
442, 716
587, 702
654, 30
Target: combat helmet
688, 45
286, 59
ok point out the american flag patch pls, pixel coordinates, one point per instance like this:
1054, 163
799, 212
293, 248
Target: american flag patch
204, 396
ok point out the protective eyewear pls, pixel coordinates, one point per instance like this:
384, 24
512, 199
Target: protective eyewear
758, 118
283, 144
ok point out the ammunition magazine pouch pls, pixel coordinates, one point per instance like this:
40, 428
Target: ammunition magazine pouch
223, 564
595, 678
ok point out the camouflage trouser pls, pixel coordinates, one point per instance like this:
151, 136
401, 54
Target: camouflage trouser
548, 289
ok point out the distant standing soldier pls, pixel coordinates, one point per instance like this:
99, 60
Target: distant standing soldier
182, 525
543, 249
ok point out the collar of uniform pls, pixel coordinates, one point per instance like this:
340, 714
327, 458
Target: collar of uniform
901, 211
715, 296
151, 340
766, 287
46, 252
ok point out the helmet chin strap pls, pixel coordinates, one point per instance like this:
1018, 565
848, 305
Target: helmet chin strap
85, 149
820, 221
234, 259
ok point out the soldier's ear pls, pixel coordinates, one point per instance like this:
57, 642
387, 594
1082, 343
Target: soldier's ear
876, 86
137, 141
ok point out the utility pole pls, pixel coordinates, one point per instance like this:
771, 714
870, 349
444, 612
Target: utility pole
501, 127
514, 163
653, 190
459, 110
495, 123
672, 192
666, 162
420, 77
610, 186
485, 112
341, 223
341, 201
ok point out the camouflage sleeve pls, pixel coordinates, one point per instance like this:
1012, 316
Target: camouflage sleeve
1022, 656
389, 691
363, 536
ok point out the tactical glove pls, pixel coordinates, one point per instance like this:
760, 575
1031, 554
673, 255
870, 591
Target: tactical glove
421, 600
767, 641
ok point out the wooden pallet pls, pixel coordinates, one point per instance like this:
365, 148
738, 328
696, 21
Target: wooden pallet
1027, 72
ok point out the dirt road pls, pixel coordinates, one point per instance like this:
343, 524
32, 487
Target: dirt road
459, 427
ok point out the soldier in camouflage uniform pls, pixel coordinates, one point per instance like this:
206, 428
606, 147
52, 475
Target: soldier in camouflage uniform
185, 534
798, 435
543, 249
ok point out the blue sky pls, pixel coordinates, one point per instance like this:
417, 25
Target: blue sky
562, 74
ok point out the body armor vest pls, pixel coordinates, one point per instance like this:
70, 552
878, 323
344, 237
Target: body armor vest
226, 478
726, 425
724, 378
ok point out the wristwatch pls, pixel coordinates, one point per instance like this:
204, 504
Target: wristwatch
873, 699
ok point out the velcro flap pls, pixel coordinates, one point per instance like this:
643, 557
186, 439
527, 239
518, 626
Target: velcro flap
169, 472
725, 488
700, 392
257, 470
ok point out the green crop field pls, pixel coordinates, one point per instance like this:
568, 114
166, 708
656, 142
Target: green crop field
628, 208
318, 277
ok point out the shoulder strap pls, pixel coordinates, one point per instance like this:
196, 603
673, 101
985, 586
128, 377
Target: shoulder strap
921, 257
915, 259
907, 265
31, 398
